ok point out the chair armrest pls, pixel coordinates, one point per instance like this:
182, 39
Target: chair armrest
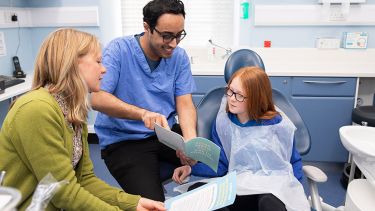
314, 173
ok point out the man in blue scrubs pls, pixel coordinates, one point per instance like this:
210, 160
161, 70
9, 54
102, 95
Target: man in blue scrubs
148, 81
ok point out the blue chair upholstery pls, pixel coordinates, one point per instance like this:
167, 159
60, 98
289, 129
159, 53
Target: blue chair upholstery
208, 107
301, 136
207, 111
241, 58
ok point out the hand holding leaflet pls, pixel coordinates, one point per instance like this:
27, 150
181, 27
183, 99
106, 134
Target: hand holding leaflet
218, 193
199, 148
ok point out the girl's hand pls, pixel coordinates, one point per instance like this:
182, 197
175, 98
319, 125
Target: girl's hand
181, 173
184, 159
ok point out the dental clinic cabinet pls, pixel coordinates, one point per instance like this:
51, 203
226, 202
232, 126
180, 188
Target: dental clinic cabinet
324, 103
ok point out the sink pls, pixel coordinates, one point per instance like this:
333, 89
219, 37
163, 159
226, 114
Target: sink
359, 140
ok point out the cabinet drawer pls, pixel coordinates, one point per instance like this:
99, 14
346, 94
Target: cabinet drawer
281, 84
323, 117
322, 86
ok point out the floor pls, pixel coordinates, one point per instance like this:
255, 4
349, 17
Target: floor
331, 191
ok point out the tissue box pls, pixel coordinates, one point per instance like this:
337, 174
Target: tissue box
355, 40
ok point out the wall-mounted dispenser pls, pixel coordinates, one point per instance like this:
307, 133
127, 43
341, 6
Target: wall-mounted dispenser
338, 10
331, 13
245, 5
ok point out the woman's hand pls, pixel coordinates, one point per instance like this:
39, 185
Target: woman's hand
181, 173
150, 205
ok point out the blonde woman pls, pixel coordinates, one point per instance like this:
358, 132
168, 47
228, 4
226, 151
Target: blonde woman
45, 130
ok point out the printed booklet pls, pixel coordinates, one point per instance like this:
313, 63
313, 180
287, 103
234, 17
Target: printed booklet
219, 192
200, 149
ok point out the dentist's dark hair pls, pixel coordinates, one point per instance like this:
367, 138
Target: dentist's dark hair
156, 8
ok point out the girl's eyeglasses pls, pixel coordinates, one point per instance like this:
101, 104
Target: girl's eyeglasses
237, 96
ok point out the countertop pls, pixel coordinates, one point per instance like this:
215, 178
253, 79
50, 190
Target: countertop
18, 89
305, 62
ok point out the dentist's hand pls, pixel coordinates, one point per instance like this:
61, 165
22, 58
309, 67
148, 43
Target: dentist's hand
181, 173
150, 118
150, 205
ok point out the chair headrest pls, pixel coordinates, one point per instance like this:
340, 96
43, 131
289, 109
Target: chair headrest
241, 58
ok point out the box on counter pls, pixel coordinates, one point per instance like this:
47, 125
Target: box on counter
355, 40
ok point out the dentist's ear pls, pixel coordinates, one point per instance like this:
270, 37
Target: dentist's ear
146, 27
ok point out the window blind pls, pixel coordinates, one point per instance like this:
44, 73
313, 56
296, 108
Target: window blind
205, 19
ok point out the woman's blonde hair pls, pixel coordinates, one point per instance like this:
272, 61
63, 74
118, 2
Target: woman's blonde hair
258, 92
56, 66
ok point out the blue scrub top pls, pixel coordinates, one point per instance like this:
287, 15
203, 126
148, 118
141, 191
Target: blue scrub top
130, 79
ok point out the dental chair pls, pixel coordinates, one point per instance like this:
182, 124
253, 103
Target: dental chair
208, 107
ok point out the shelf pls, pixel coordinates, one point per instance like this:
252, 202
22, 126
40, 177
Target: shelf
313, 15
49, 17
305, 62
